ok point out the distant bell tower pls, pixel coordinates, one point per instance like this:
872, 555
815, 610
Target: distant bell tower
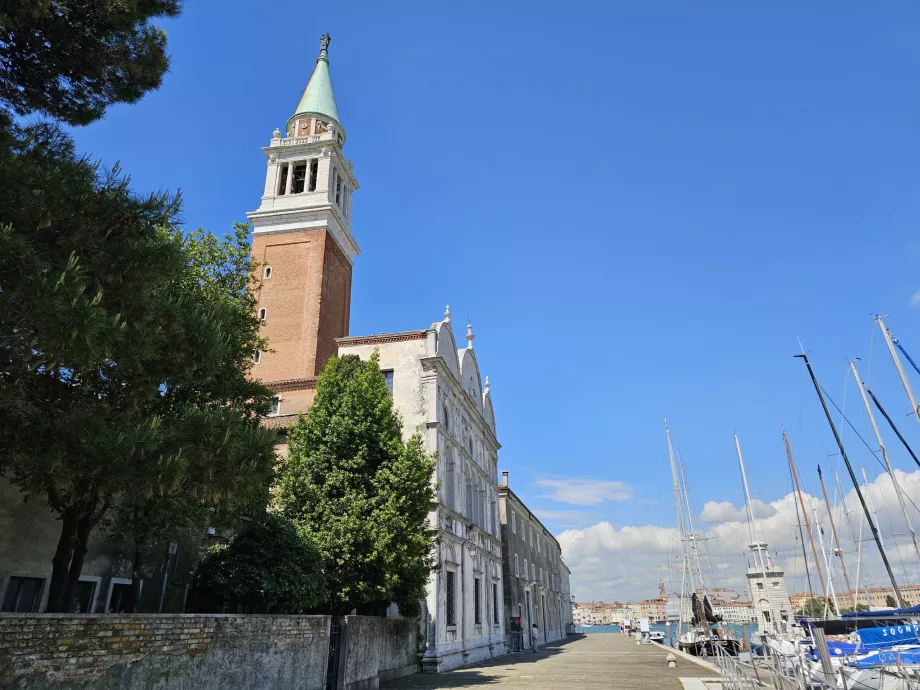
302, 239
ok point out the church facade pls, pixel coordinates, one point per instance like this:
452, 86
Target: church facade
439, 393
303, 242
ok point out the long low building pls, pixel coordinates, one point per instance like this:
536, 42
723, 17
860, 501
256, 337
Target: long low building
536, 579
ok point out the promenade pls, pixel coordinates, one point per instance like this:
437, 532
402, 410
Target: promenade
579, 662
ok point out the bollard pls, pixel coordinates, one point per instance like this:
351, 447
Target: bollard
672, 661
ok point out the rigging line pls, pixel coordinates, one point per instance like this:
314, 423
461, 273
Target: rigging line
865, 443
874, 453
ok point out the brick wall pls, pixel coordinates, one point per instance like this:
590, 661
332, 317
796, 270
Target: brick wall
163, 651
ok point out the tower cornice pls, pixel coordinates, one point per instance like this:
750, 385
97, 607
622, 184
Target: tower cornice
326, 217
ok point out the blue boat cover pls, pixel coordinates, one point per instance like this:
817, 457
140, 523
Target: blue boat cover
889, 635
836, 648
910, 611
888, 657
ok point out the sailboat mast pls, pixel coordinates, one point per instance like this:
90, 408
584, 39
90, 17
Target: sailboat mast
897, 363
811, 538
893, 427
798, 515
757, 546
830, 516
862, 499
696, 575
881, 444
830, 579
680, 526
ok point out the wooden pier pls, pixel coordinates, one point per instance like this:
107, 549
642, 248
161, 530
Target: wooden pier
587, 662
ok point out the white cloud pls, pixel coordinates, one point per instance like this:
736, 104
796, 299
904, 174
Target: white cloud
626, 562
915, 299
724, 511
585, 492
564, 518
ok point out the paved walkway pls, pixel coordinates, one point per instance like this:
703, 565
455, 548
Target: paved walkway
581, 661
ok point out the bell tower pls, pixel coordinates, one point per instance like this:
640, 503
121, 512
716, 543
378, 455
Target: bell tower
302, 239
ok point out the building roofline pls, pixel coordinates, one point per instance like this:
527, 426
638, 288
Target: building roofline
380, 339
508, 490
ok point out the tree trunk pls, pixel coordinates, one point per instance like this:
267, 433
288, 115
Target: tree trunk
80, 547
61, 563
135, 595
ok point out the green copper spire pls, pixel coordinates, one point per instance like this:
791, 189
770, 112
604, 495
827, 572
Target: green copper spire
318, 98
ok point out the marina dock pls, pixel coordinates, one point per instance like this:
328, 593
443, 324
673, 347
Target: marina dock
579, 662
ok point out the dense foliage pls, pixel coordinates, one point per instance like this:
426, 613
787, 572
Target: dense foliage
124, 349
70, 59
271, 566
360, 491
813, 608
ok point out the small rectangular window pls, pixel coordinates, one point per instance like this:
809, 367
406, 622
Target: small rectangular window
300, 176
314, 174
120, 592
23, 595
83, 596
282, 179
513, 523
526, 569
388, 379
257, 357
338, 191
495, 603
451, 614
477, 601
275, 408
517, 566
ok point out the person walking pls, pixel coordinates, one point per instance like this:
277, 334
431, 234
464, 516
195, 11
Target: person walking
534, 641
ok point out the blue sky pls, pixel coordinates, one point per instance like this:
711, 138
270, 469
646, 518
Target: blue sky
641, 206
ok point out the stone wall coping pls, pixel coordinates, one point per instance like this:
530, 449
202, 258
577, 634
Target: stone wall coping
160, 616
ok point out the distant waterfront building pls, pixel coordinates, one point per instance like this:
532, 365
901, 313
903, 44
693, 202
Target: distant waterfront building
738, 612
438, 392
535, 576
876, 598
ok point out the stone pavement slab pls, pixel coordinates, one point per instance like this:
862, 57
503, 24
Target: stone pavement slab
591, 661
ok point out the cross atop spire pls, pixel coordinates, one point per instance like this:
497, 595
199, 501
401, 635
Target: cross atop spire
318, 98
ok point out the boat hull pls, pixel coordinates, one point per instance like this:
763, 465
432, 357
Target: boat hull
707, 647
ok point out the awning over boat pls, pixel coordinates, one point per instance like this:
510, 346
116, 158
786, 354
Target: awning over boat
889, 635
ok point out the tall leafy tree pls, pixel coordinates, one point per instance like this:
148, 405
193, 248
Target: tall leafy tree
124, 352
71, 59
360, 491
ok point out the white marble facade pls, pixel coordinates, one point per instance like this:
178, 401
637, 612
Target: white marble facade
438, 391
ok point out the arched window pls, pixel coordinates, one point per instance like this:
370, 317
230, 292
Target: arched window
446, 418
449, 480
267, 273
262, 313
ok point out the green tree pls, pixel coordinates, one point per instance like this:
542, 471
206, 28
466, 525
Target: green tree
118, 339
270, 564
71, 59
813, 608
890, 602
360, 491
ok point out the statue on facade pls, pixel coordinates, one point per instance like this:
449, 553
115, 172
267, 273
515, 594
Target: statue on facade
324, 42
